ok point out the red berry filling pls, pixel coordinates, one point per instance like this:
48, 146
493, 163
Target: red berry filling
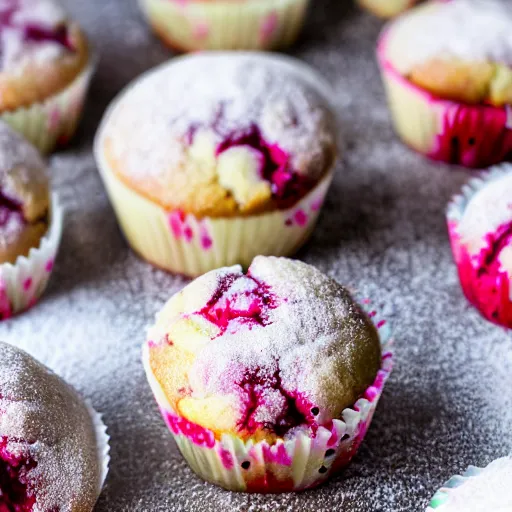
15, 495
10, 208
287, 186
249, 307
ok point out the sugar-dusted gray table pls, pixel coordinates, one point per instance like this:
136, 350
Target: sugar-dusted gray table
449, 401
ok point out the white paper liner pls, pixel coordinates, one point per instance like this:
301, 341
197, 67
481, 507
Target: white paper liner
102, 441
53, 121
295, 464
22, 283
224, 25
234, 240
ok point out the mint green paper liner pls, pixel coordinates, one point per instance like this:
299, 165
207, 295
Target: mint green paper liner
54, 121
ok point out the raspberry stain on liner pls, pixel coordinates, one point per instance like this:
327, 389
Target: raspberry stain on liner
15, 491
484, 281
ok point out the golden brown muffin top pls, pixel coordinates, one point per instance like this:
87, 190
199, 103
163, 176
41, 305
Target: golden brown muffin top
221, 134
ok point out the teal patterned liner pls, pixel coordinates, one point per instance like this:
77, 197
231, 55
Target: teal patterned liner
443, 494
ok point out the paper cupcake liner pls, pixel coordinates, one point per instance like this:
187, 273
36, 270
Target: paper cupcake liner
182, 243
489, 293
226, 25
22, 283
102, 441
442, 496
386, 8
475, 136
294, 464
53, 122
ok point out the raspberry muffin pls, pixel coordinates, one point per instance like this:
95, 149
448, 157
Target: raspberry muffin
480, 225
51, 448
30, 223
387, 8
226, 24
477, 490
447, 71
268, 380
44, 70
214, 158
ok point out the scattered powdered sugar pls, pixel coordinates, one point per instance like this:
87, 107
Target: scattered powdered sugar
287, 336
490, 490
45, 426
218, 96
474, 30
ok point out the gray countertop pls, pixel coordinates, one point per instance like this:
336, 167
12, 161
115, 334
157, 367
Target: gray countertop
449, 401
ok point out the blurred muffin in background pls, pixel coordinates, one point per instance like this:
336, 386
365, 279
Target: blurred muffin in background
226, 24
44, 70
215, 158
447, 70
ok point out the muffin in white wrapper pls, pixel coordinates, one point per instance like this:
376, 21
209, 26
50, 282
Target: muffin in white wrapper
291, 459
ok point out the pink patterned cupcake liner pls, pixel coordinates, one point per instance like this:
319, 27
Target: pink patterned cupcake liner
484, 282
23, 283
291, 464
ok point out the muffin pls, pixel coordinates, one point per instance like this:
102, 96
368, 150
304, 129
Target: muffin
226, 24
478, 490
386, 8
268, 380
480, 226
214, 158
53, 453
30, 223
44, 71
447, 70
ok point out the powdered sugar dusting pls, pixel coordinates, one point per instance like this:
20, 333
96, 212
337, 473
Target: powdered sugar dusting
288, 340
455, 24
43, 420
218, 96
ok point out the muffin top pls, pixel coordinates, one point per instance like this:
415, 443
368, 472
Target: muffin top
48, 455
24, 195
262, 354
458, 49
486, 225
472, 30
489, 490
41, 51
221, 134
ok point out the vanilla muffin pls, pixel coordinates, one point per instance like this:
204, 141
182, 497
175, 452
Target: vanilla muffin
478, 490
271, 358
448, 70
226, 24
43, 57
48, 444
480, 223
214, 158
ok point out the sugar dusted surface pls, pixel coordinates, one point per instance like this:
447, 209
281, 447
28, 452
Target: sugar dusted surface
449, 29
490, 490
448, 403
43, 419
